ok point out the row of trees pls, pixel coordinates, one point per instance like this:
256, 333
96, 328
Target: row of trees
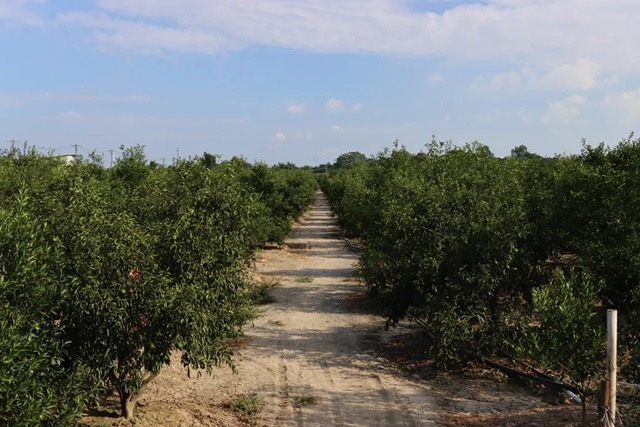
523, 253
105, 272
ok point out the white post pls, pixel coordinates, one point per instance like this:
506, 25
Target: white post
612, 358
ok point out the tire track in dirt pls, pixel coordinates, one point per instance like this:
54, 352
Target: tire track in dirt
310, 355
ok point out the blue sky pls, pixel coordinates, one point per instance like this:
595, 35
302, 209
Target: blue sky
306, 80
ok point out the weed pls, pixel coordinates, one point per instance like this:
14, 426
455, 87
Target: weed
259, 293
276, 322
245, 407
305, 400
304, 279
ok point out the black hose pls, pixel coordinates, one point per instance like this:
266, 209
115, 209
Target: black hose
544, 379
510, 371
547, 381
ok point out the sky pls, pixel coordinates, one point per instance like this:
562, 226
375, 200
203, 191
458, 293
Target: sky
304, 81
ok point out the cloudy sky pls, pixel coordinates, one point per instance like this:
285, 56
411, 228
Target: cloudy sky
307, 80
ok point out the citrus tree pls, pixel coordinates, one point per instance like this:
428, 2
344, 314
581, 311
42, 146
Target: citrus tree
105, 273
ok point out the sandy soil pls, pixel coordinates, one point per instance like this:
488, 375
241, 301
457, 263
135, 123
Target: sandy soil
318, 357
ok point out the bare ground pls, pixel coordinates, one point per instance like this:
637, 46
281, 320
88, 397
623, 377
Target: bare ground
318, 356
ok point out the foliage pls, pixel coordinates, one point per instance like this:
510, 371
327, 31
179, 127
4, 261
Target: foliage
461, 239
441, 234
350, 160
40, 384
105, 272
245, 407
522, 152
260, 291
570, 338
285, 192
629, 339
600, 213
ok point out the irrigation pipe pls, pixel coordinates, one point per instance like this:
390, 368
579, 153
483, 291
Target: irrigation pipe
352, 246
572, 390
511, 371
569, 393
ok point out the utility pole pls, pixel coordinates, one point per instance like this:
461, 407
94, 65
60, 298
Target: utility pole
75, 156
112, 151
178, 153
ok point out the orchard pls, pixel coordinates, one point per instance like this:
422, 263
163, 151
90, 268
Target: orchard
106, 272
521, 255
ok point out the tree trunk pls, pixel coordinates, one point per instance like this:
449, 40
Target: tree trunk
584, 409
128, 400
127, 404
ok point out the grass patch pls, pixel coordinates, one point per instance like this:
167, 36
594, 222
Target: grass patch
260, 292
306, 400
276, 322
304, 279
245, 407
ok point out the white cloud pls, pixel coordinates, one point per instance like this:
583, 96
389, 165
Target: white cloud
135, 119
542, 32
296, 108
135, 36
565, 110
16, 99
126, 119
627, 103
20, 12
508, 79
581, 75
280, 136
337, 129
223, 121
70, 116
610, 81
334, 105
436, 78
106, 98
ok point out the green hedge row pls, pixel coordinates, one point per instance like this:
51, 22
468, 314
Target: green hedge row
105, 272
481, 247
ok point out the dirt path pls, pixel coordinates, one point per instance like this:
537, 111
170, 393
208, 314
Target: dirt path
314, 358
310, 355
